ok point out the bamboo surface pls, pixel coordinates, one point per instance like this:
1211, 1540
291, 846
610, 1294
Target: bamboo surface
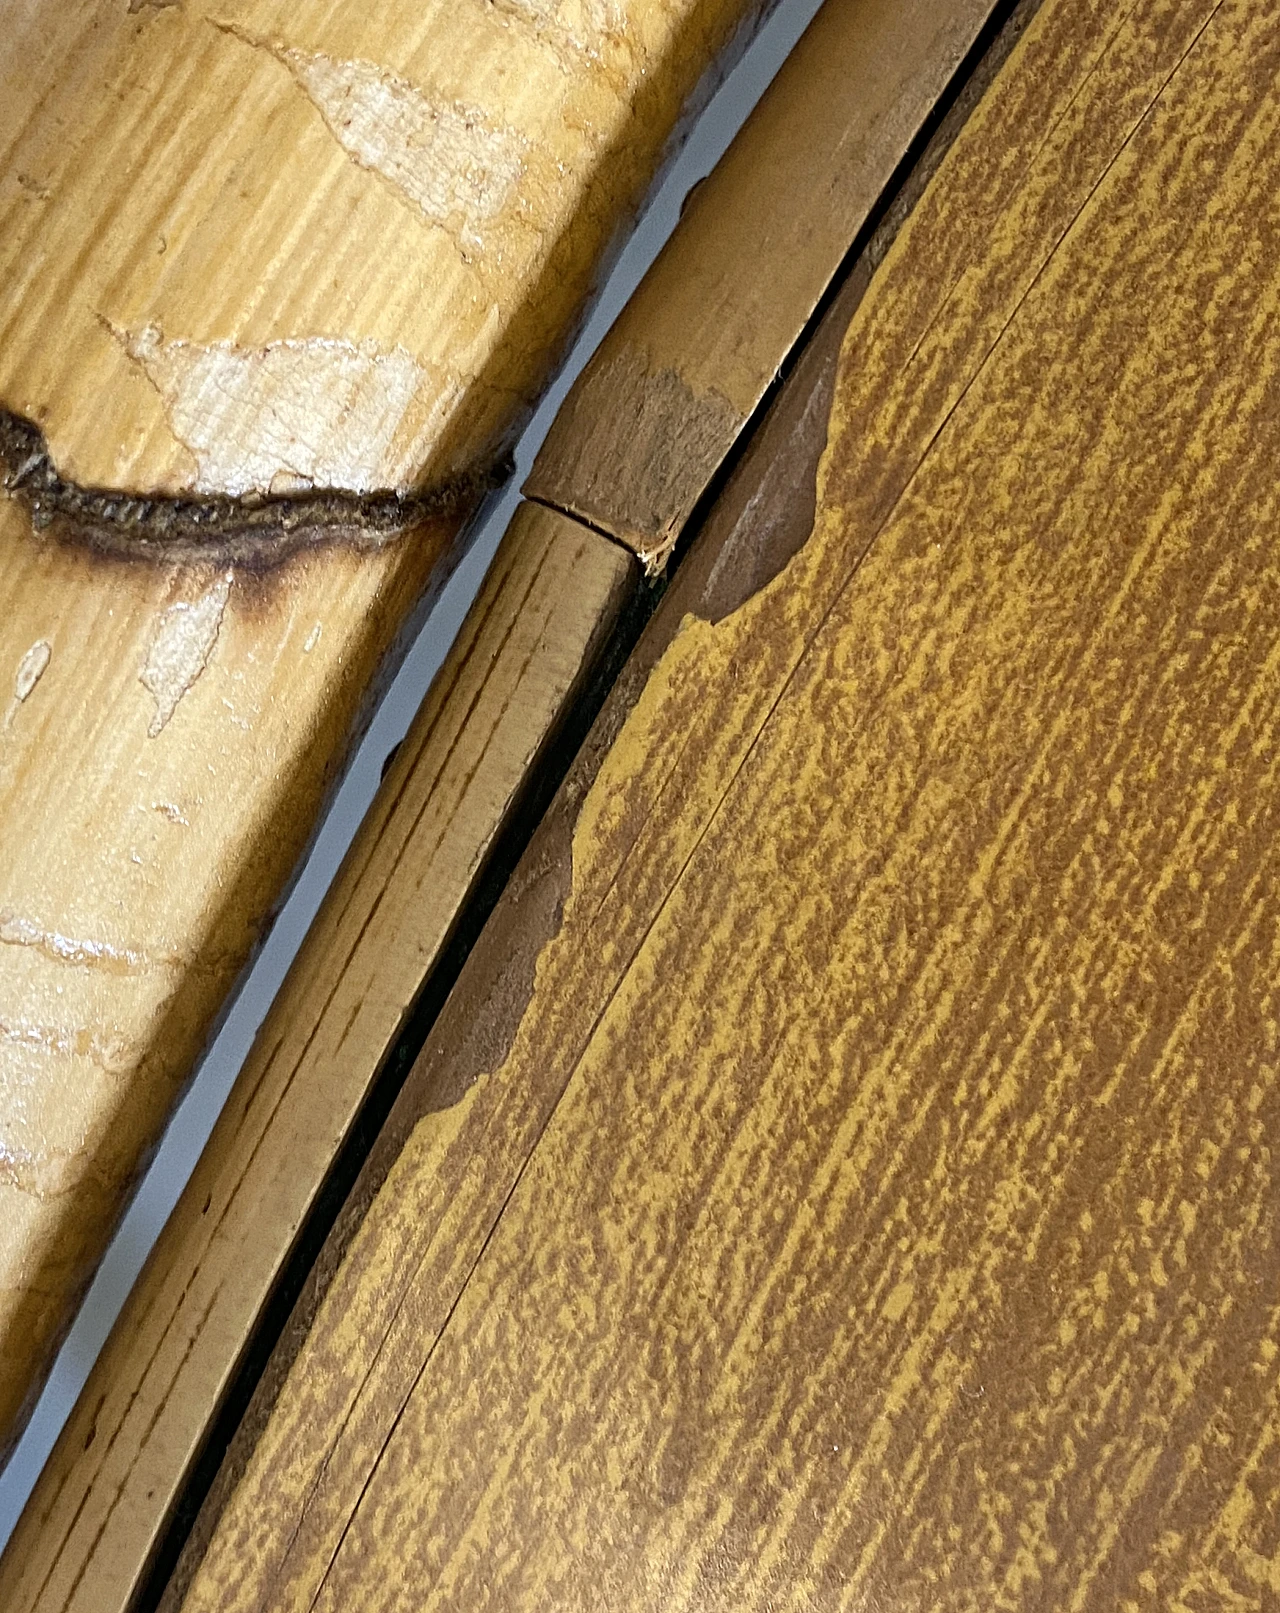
871, 1200
552, 595
256, 247
272, 258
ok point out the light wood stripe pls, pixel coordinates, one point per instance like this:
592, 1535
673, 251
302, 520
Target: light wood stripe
668, 392
250, 254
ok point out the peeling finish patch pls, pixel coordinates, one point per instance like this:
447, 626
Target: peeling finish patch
316, 409
47, 1173
312, 639
181, 649
455, 165
447, 158
15, 931
112, 1055
31, 669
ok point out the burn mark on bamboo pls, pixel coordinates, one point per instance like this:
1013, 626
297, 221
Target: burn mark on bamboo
253, 533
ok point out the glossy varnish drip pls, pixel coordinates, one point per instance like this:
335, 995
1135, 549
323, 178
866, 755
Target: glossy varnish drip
905, 1229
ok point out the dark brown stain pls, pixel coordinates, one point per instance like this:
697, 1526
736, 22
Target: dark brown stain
759, 524
252, 535
673, 440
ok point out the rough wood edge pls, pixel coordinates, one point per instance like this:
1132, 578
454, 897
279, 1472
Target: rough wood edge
645, 498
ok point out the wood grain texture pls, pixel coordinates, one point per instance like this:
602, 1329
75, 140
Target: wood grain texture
655, 412
550, 598
245, 250
255, 247
474, 1033
157, 784
904, 1232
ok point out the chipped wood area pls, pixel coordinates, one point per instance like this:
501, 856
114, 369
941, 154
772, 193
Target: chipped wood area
660, 405
258, 249
168, 737
871, 1199
180, 648
550, 600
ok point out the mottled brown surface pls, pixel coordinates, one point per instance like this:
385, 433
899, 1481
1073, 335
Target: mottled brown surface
875, 1206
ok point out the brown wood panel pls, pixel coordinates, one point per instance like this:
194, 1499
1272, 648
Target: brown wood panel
551, 597
755, 531
861, 1190
267, 267
660, 405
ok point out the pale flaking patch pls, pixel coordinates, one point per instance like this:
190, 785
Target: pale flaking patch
180, 650
298, 413
458, 168
31, 668
579, 24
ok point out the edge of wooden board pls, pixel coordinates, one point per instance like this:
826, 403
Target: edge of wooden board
654, 414
184, 688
